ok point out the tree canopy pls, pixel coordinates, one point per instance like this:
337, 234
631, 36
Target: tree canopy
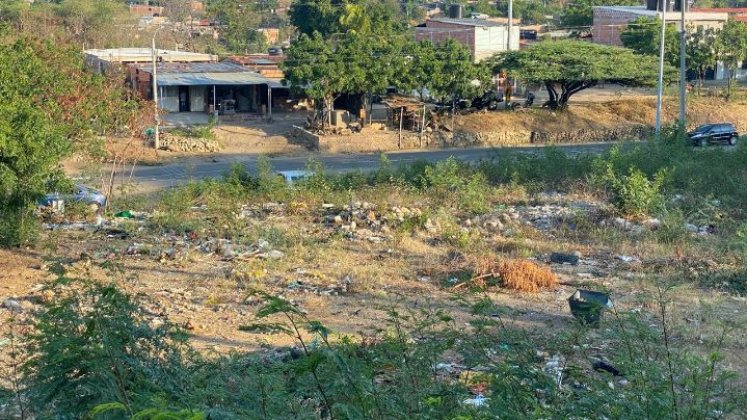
643, 36
580, 12
731, 48
568, 67
48, 107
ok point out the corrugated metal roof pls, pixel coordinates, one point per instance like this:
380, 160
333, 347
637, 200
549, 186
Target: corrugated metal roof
466, 22
219, 79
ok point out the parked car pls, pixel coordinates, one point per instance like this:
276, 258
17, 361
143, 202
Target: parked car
714, 133
80, 194
292, 177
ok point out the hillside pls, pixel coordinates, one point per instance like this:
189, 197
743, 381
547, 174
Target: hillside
606, 115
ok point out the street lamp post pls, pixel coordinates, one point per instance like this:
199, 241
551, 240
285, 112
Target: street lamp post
157, 139
683, 63
660, 89
510, 24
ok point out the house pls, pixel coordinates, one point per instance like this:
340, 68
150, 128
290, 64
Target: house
207, 87
484, 38
611, 21
146, 10
116, 59
267, 65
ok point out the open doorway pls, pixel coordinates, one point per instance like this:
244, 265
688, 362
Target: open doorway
184, 99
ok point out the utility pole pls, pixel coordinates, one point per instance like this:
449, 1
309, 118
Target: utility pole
157, 139
660, 89
510, 24
683, 64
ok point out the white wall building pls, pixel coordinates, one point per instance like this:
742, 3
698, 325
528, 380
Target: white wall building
483, 38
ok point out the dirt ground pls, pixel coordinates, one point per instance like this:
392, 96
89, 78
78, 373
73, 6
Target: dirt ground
349, 277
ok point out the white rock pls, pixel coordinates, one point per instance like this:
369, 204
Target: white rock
12, 305
275, 254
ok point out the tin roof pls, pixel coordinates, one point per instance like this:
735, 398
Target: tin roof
207, 74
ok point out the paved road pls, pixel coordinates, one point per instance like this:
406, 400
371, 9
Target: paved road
154, 177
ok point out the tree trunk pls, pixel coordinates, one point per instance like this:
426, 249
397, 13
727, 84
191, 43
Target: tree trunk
728, 84
552, 101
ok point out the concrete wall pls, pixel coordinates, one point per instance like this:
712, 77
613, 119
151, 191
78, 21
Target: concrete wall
482, 41
739, 74
494, 39
610, 21
197, 98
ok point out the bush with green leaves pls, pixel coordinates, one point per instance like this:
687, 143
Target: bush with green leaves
633, 194
93, 353
92, 345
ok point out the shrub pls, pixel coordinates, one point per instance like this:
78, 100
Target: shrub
91, 346
94, 354
633, 194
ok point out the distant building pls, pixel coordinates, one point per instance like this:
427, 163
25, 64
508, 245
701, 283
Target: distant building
483, 38
265, 64
737, 13
146, 10
611, 21
117, 58
206, 87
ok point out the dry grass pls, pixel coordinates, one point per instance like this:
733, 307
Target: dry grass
515, 274
525, 276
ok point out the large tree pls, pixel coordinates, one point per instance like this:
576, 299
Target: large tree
731, 49
314, 66
458, 76
701, 54
336, 17
565, 68
643, 36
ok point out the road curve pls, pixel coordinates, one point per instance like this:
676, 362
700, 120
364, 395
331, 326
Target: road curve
161, 176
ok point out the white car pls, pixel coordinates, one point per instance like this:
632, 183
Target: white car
292, 177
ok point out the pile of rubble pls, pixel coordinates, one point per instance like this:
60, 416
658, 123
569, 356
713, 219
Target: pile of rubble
174, 143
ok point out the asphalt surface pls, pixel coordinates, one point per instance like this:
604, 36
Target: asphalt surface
162, 176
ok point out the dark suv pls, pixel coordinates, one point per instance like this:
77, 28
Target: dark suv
714, 133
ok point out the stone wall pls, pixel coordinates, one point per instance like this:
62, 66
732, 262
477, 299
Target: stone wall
382, 140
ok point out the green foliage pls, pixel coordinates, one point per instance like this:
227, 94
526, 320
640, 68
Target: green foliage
330, 17
449, 181
241, 20
580, 13
98, 357
643, 36
456, 72
633, 194
731, 48
48, 107
568, 67
700, 52
91, 347
357, 63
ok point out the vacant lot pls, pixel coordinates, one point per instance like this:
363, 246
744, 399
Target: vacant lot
439, 255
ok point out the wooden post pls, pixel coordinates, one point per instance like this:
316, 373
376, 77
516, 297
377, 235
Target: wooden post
401, 114
422, 129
